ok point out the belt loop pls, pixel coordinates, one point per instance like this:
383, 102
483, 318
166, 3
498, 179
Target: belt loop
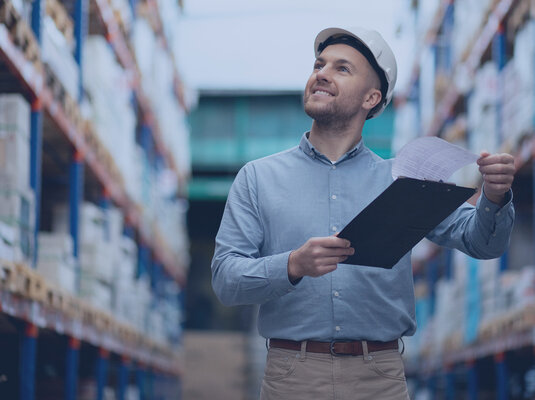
365, 353
403, 343
303, 354
267, 343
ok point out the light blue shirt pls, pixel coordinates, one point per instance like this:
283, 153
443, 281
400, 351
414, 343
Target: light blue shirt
278, 202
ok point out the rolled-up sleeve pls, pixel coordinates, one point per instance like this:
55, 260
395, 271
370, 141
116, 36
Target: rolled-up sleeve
240, 275
481, 232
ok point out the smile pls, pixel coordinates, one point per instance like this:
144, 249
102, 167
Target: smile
322, 93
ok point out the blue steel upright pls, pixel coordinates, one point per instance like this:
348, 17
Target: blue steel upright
28, 361
502, 383
124, 371
71, 368
140, 378
36, 154
473, 384
36, 131
450, 384
102, 372
76, 188
80, 18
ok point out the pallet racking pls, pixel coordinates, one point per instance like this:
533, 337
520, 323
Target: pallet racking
35, 311
503, 347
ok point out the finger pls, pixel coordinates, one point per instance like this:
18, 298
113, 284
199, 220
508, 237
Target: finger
502, 158
483, 154
498, 178
333, 241
339, 251
497, 188
507, 169
325, 269
331, 261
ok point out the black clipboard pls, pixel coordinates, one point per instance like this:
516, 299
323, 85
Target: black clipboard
399, 218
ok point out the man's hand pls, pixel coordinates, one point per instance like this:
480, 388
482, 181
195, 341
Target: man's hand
498, 172
318, 256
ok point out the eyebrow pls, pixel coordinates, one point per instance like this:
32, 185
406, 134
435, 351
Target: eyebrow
338, 61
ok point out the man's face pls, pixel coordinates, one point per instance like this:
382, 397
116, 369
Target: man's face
339, 85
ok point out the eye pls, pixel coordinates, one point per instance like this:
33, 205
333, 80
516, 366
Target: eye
318, 66
343, 69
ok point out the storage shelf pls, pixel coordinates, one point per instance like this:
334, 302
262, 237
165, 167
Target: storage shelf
97, 157
125, 57
469, 63
30, 76
155, 16
428, 39
27, 296
510, 332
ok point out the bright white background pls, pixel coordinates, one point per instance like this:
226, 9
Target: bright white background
268, 44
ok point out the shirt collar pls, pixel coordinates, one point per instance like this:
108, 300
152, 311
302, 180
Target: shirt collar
310, 151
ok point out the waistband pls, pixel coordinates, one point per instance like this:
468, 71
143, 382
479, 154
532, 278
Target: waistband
336, 348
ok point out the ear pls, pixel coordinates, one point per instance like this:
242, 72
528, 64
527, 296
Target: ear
371, 99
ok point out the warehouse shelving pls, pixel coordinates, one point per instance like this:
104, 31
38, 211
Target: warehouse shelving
469, 62
84, 140
116, 38
33, 307
507, 340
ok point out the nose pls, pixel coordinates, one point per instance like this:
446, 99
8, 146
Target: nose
322, 74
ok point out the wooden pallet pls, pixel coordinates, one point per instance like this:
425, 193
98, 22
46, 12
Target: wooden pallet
7, 273
103, 321
63, 98
55, 86
8, 15
102, 154
512, 321
72, 307
89, 314
72, 111
54, 298
61, 19
29, 284
454, 342
126, 333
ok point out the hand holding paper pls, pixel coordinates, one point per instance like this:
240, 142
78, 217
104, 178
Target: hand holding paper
498, 173
430, 158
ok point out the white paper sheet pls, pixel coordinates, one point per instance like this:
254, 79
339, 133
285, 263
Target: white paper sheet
430, 158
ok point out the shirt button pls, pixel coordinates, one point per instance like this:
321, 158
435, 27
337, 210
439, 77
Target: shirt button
494, 234
337, 328
333, 197
333, 167
498, 213
334, 228
487, 209
336, 294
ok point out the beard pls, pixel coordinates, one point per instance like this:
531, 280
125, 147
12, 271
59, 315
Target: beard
333, 114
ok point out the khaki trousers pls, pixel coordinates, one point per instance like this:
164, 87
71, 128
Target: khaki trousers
294, 375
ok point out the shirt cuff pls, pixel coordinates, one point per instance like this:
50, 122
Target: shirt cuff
277, 272
490, 206
493, 212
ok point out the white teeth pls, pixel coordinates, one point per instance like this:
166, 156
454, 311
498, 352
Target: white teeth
323, 93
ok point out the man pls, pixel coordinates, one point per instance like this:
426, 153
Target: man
333, 328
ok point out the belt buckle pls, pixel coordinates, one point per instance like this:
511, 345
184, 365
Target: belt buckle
334, 353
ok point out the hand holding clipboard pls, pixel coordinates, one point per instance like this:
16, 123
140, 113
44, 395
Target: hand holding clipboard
410, 207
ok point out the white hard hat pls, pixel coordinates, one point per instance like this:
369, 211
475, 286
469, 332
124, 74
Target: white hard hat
380, 54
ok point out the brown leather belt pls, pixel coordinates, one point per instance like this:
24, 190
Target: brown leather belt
336, 348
